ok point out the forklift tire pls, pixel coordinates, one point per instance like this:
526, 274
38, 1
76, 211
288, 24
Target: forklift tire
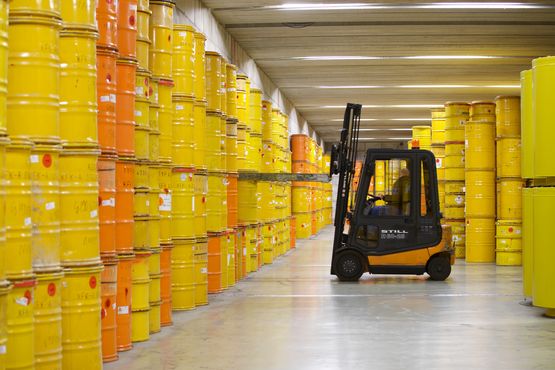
348, 266
439, 268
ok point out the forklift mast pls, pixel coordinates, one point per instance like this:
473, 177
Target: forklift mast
343, 158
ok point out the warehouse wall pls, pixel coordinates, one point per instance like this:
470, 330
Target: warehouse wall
218, 39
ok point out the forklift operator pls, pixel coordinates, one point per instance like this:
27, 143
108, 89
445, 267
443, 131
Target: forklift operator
398, 203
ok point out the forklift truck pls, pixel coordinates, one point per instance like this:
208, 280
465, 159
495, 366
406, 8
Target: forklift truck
392, 223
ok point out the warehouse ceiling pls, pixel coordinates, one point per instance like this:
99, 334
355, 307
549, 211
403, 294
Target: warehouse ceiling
398, 58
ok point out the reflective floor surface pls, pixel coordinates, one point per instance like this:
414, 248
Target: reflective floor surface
295, 315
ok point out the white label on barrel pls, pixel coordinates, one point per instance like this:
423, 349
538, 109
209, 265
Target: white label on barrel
156, 96
34, 158
113, 306
123, 310
27, 221
113, 98
193, 204
178, 107
94, 213
203, 270
439, 162
148, 203
166, 204
133, 7
2, 350
244, 251
50, 206
105, 98
139, 90
22, 301
183, 34
109, 202
459, 199
462, 122
183, 177
138, 113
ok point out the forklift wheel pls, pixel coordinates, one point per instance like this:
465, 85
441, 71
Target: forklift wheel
348, 266
439, 268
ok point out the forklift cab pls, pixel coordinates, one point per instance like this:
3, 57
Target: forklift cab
395, 223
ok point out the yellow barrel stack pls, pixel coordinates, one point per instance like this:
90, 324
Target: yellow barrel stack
456, 117
480, 197
438, 148
509, 210
537, 113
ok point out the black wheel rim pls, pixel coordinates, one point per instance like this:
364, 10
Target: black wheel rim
349, 266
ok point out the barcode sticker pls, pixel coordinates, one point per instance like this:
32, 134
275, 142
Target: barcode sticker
105, 98
178, 107
109, 202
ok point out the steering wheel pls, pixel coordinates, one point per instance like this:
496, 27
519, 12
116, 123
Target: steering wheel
373, 198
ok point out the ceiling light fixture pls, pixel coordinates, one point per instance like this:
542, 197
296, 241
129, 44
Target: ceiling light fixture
433, 5
411, 57
389, 119
401, 106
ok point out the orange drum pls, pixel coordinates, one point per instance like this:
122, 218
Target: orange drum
232, 200
108, 310
214, 263
106, 88
166, 286
125, 108
107, 22
127, 28
293, 230
300, 147
125, 179
123, 302
107, 204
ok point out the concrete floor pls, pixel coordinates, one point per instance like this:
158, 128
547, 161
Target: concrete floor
294, 315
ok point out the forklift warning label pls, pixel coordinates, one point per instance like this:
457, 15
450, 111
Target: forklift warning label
394, 234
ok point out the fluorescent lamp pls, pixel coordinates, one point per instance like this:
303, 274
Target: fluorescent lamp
401, 106
436, 5
388, 119
412, 119
456, 57
351, 87
503, 86
321, 6
483, 6
336, 57
412, 57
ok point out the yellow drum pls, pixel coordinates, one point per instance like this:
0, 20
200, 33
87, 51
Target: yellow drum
216, 203
142, 143
143, 50
510, 199
79, 240
78, 106
454, 135
165, 202
480, 240
459, 238
456, 109
81, 326
154, 232
438, 126
155, 318
19, 325
45, 173
140, 278
183, 61
214, 81
300, 194
480, 194
141, 232
154, 146
36, 8
143, 23
223, 89
527, 113
267, 191
183, 204
544, 111
199, 135
213, 139
254, 151
79, 14
424, 136
255, 111
201, 272
527, 240
165, 119
480, 145
18, 210
33, 89
231, 146
231, 87
140, 328
200, 65
304, 225
508, 157
5, 287
161, 25
183, 275
142, 103
482, 111
507, 112
543, 273
48, 321
268, 157
453, 212
252, 247
182, 132
248, 202
200, 182
508, 243
141, 175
